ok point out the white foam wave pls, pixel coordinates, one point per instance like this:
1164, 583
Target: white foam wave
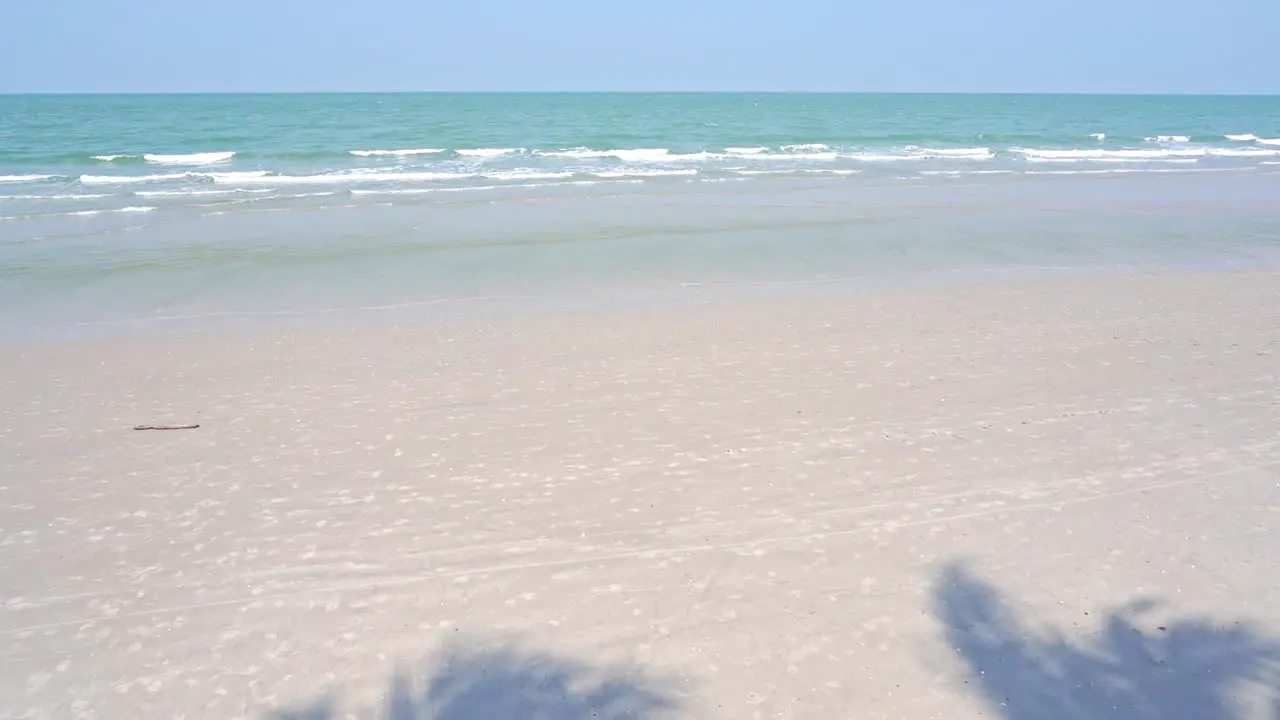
1068, 155
1243, 152
746, 150
1241, 138
527, 175
395, 153
129, 179
641, 173
642, 155
626, 155
230, 177
335, 178
823, 156
1098, 136
805, 147
112, 158
208, 158
974, 153
182, 193
488, 152
1169, 139
1268, 141
137, 209
25, 178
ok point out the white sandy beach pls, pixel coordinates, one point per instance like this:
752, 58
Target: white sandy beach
1046, 499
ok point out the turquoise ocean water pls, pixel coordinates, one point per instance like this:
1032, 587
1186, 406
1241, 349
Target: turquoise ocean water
147, 206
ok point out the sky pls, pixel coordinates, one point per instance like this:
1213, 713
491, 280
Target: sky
1172, 46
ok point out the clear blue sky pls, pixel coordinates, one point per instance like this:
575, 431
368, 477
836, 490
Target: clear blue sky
1232, 46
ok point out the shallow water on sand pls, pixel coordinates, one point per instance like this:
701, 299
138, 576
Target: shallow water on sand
678, 237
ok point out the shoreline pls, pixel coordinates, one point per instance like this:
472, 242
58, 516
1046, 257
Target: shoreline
646, 241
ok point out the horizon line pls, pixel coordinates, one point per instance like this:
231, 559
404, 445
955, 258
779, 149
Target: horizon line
638, 92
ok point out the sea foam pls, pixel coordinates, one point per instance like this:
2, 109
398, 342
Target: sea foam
129, 179
25, 178
1241, 138
1093, 154
488, 152
193, 159
395, 153
642, 173
1243, 152
1169, 139
335, 178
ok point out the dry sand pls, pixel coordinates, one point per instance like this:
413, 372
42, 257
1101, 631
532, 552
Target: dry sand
1055, 499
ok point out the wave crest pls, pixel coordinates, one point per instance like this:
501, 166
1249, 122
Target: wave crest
395, 153
208, 158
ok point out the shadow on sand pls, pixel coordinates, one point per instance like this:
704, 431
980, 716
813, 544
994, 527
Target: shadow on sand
509, 682
1187, 669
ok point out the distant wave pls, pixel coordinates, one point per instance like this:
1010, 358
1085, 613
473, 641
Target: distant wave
1243, 152
193, 159
641, 173
335, 178
1268, 141
1169, 139
527, 175
395, 153
976, 153
129, 179
113, 158
746, 150
1098, 136
917, 153
488, 152
233, 176
822, 156
25, 178
626, 155
804, 147
188, 193
133, 179
1241, 138
1095, 154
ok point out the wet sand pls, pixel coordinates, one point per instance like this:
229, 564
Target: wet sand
1048, 499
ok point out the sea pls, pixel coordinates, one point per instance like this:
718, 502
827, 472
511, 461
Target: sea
120, 211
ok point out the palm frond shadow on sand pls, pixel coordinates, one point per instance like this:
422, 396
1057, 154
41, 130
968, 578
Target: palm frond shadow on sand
1187, 669
508, 682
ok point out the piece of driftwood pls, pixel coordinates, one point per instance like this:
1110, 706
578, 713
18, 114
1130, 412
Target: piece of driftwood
165, 427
